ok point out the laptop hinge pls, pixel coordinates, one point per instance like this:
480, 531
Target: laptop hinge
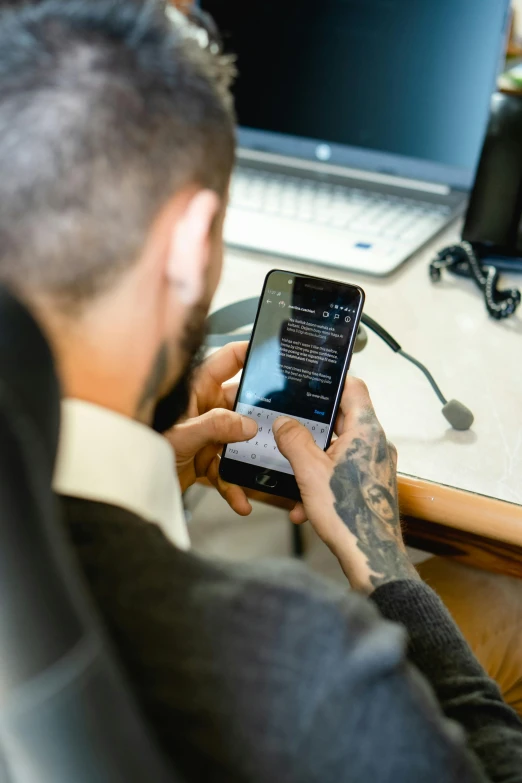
327, 168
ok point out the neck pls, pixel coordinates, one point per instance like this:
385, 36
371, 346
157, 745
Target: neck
105, 356
109, 379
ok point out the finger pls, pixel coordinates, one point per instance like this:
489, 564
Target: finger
298, 514
355, 394
339, 423
183, 5
230, 394
393, 454
216, 426
223, 365
235, 496
296, 443
355, 402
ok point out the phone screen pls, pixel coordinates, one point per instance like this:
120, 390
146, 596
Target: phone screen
299, 355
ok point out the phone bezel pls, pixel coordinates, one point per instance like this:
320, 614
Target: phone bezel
245, 475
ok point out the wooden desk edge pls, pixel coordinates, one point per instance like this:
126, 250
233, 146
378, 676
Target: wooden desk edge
460, 510
472, 529
454, 508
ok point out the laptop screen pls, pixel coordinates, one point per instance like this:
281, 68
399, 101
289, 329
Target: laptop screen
401, 86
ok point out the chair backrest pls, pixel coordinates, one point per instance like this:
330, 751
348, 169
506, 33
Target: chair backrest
66, 712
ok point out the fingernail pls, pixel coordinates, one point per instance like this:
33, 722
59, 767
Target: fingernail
249, 426
278, 423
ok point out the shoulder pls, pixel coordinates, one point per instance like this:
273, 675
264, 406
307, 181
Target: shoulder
297, 613
284, 657
275, 608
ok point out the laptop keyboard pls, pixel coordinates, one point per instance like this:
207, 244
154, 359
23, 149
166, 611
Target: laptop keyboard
335, 206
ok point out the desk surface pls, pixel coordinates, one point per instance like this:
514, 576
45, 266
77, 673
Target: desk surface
473, 358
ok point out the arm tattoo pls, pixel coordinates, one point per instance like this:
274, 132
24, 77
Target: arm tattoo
365, 491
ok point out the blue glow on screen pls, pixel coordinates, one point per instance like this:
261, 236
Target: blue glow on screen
406, 77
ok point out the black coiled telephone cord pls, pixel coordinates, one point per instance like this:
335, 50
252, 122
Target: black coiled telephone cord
462, 261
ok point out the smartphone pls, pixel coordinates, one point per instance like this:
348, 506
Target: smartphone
296, 365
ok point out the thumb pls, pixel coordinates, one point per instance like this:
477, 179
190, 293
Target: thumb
296, 443
215, 427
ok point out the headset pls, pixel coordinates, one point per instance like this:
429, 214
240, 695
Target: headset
222, 329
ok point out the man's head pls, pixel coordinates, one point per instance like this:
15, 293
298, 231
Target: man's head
116, 148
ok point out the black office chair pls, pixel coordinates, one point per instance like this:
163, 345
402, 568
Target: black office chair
66, 714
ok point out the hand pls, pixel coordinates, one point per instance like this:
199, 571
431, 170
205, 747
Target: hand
212, 387
210, 423
349, 493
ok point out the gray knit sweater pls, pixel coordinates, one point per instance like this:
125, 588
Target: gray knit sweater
268, 674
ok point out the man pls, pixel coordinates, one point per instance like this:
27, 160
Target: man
116, 147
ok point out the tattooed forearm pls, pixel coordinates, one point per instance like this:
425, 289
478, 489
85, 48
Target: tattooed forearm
365, 490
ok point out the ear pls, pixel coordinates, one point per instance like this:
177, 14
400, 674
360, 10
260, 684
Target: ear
191, 246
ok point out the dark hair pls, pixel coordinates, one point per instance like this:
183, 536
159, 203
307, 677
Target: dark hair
107, 109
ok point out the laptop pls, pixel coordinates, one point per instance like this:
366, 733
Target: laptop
360, 122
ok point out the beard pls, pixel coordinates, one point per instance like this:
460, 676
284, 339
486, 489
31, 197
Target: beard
171, 407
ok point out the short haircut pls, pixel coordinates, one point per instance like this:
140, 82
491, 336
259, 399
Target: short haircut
107, 109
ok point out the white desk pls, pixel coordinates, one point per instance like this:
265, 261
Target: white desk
473, 358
